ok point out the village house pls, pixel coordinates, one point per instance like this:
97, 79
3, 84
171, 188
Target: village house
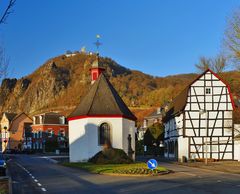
12, 130
199, 121
155, 117
50, 126
101, 117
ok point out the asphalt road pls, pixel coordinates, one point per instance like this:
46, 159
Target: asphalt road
32, 174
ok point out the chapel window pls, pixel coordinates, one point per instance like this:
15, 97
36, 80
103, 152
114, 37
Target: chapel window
104, 134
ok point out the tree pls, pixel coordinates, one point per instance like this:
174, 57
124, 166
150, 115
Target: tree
232, 39
3, 18
7, 11
217, 64
204, 64
4, 62
153, 137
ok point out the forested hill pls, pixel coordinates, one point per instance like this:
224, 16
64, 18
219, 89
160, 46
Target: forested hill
61, 82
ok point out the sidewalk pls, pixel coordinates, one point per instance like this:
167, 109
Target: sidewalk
222, 166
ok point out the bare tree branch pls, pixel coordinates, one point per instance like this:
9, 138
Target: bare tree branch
204, 64
232, 39
217, 64
4, 62
7, 11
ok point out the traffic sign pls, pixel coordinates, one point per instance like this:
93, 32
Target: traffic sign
152, 164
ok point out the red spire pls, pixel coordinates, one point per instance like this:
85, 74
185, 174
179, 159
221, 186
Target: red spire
96, 70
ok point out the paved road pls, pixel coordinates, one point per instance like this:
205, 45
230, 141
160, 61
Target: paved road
32, 174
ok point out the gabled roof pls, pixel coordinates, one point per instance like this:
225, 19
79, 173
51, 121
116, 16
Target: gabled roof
10, 116
179, 102
18, 115
102, 100
13, 120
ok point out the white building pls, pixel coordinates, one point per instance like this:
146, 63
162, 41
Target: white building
200, 118
101, 117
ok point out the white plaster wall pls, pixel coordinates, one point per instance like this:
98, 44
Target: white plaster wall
182, 147
83, 136
237, 150
78, 140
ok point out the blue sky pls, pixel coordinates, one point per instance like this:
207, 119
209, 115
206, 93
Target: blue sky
157, 37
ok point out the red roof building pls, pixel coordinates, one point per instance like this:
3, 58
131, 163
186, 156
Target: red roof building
49, 129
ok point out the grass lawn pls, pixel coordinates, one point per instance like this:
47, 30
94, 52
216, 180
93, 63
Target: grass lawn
135, 168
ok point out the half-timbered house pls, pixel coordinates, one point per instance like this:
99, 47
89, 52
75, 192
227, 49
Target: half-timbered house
199, 121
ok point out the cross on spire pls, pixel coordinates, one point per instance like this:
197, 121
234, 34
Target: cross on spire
98, 43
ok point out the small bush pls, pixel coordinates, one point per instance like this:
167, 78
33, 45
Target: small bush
111, 156
138, 171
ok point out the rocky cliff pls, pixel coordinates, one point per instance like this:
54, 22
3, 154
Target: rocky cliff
60, 83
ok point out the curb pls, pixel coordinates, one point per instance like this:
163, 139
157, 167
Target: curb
137, 175
51, 160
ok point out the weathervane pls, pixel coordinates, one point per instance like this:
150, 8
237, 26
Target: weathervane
98, 43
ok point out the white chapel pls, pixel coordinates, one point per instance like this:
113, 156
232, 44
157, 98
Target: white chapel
101, 117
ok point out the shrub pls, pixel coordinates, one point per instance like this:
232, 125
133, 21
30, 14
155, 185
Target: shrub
111, 156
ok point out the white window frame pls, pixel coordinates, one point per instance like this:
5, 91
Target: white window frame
61, 131
50, 133
208, 91
40, 134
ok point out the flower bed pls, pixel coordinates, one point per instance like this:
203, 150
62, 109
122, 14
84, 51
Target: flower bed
124, 169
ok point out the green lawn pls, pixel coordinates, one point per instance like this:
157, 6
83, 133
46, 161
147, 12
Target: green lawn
135, 168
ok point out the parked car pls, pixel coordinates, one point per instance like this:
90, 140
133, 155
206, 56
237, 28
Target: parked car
3, 166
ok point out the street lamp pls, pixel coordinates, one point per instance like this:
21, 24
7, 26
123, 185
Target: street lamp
201, 112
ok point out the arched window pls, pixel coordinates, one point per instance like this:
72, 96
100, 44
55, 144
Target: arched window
104, 134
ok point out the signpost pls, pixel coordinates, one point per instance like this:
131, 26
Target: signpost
152, 164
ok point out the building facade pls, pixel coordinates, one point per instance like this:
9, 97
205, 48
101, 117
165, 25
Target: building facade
13, 127
5, 134
46, 128
155, 117
199, 121
101, 118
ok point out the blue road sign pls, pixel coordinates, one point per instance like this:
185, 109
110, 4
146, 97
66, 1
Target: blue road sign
152, 164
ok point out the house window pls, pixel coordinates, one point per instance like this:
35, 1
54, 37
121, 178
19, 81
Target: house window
40, 134
145, 123
208, 91
50, 133
61, 133
62, 120
104, 133
95, 75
